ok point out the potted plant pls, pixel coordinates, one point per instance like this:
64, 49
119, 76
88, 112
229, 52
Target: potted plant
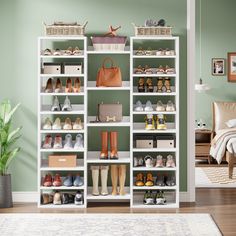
8, 151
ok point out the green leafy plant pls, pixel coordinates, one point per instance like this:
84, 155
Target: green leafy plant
8, 137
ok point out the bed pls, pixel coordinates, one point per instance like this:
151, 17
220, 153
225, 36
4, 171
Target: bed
223, 145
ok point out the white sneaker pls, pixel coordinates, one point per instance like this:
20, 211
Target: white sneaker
47, 124
79, 142
57, 124
170, 106
148, 106
67, 105
68, 142
138, 106
160, 106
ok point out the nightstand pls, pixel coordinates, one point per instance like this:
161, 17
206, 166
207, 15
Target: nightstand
203, 139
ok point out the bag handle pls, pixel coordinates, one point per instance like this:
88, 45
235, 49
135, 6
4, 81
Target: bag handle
108, 59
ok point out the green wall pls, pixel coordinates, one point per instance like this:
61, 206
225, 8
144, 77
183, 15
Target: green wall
218, 38
21, 24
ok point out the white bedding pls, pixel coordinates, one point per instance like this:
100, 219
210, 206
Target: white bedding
225, 139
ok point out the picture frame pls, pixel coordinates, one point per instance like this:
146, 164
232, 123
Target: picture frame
232, 67
218, 67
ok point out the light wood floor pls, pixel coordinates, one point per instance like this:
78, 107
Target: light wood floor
220, 203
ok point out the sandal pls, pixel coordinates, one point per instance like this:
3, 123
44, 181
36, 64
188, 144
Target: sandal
160, 52
47, 52
77, 51
69, 51
141, 86
139, 70
148, 70
148, 52
169, 70
139, 52
149, 180
139, 180
160, 70
149, 85
57, 52
159, 85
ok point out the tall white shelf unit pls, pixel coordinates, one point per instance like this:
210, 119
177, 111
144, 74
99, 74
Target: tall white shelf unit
137, 193
44, 106
93, 156
134, 194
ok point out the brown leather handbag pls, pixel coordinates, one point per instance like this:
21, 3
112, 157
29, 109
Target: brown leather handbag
109, 112
109, 77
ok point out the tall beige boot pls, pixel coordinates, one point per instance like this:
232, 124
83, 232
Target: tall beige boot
95, 176
114, 179
122, 176
104, 175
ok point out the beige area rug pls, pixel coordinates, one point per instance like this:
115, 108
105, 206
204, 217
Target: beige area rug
215, 177
108, 225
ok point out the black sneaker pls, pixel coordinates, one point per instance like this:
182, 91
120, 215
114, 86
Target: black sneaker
170, 180
79, 198
160, 180
67, 198
149, 198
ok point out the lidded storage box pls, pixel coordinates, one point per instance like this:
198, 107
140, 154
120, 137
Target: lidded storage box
72, 68
165, 141
62, 160
144, 141
52, 68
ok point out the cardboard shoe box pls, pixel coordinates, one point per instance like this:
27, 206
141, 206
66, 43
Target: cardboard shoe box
62, 161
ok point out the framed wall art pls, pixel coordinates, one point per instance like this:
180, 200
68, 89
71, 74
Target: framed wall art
218, 66
232, 67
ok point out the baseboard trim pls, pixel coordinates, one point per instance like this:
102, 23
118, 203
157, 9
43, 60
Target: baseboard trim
33, 196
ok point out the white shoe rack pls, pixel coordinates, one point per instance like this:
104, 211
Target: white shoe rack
44, 110
89, 157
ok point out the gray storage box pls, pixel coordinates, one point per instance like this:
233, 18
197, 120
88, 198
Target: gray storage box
52, 68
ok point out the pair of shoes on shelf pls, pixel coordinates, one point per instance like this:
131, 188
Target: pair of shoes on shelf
159, 107
49, 181
70, 51
165, 70
168, 180
56, 106
76, 181
58, 125
142, 52
145, 86
68, 144
158, 122
142, 180
158, 162
163, 85
68, 198
165, 52
151, 198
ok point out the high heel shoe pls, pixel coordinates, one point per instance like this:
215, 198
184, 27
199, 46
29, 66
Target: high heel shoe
149, 85
58, 87
77, 124
67, 125
76, 85
67, 105
141, 86
49, 86
57, 124
56, 105
69, 88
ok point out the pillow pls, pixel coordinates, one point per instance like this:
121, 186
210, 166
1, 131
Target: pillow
231, 123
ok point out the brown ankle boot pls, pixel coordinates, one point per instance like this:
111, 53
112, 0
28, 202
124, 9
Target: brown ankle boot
104, 141
113, 145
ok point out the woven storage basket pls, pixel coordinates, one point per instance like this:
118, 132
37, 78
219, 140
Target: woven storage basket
152, 31
63, 29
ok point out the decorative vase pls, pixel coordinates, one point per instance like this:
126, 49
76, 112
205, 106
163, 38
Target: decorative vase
5, 191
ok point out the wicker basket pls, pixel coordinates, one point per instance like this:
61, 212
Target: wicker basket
152, 31
65, 29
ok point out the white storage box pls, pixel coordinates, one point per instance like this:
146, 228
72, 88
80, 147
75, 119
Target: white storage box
52, 68
161, 143
72, 69
144, 142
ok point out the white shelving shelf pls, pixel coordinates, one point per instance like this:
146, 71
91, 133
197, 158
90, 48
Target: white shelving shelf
134, 194
77, 109
138, 128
